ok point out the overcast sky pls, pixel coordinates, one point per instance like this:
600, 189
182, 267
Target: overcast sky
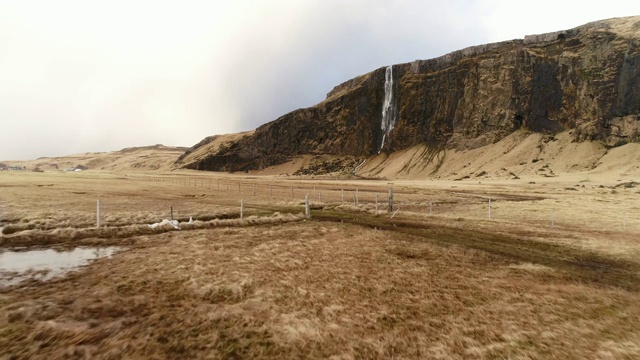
89, 75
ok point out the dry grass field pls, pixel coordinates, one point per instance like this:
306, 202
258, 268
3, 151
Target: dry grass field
555, 273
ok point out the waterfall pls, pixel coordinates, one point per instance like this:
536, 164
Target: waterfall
388, 106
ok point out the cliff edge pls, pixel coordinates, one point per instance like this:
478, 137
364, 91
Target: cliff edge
586, 80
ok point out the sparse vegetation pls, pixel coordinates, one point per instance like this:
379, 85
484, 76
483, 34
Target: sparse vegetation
349, 283
339, 165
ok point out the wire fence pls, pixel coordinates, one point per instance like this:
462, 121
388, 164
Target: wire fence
537, 211
204, 198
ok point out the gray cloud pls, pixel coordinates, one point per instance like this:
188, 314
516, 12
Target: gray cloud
273, 73
78, 76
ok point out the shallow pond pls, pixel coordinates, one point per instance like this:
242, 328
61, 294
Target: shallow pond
16, 266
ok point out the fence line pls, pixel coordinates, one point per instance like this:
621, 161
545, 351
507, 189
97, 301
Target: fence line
371, 198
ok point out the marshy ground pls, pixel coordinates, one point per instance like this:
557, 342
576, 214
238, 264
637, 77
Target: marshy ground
553, 273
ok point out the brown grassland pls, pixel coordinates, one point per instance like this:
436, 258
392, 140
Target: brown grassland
555, 273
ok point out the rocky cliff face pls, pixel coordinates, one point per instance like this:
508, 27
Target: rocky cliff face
586, 79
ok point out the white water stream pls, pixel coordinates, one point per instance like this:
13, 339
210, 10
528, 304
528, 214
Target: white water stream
359, 166
388, 106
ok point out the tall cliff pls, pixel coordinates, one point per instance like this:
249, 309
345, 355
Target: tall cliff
586, 79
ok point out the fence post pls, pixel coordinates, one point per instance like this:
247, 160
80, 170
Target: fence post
489, 208
430, 208
254, 189
98, 213
172, 213
390, 210
376, 204
307, 209
357, 202
241, 209
342, 196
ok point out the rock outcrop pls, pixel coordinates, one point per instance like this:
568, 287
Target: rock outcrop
586, 79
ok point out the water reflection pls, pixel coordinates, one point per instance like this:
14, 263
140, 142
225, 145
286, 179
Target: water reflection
16, 266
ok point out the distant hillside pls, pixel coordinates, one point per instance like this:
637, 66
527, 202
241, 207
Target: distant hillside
145, 158
208, 147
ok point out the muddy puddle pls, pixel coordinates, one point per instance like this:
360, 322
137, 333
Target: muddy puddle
45, 264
